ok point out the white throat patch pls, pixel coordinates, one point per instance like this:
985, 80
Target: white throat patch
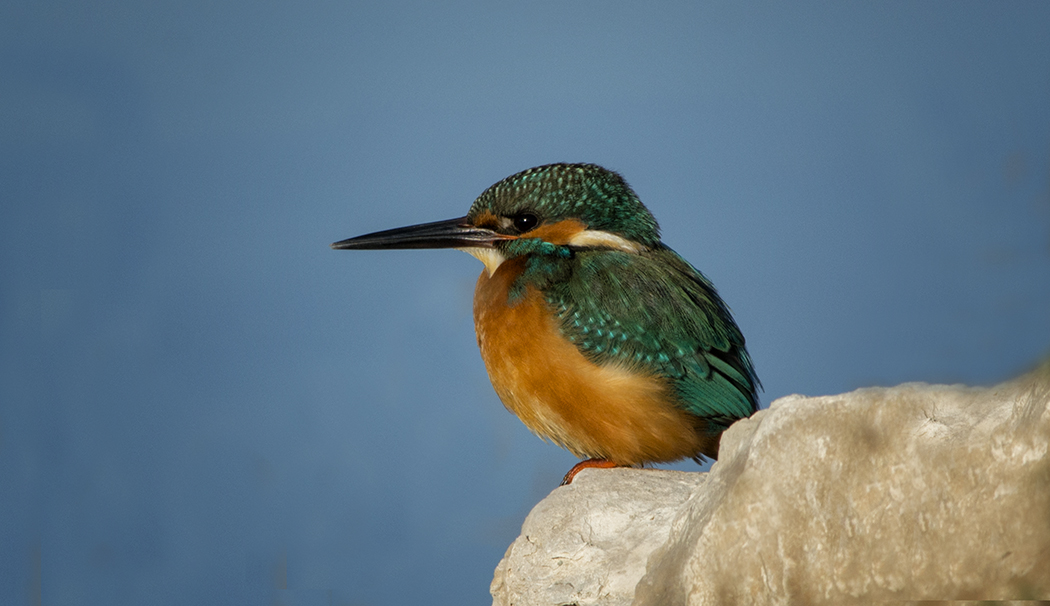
491, 257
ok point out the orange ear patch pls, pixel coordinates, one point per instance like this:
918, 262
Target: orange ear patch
556, 233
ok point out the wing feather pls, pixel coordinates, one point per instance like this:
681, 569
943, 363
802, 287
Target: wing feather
655, 312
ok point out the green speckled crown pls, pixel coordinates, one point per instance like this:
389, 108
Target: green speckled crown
597, 196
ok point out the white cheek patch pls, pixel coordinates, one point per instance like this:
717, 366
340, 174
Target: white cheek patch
491, 257
602, 239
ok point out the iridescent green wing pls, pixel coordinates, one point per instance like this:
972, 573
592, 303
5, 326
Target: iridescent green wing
655, 312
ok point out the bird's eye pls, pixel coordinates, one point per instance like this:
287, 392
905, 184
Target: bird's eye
524, 223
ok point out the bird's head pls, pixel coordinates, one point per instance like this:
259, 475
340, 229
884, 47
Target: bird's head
542, 209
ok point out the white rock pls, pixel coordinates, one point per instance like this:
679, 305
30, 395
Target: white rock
916, 492
587, 543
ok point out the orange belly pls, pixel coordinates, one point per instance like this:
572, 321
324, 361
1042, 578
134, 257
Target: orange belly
609, 412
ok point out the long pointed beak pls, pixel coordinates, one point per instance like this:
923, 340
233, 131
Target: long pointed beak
453, 233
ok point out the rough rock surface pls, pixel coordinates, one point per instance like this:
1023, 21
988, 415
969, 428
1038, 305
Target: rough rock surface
915, 492
587, 543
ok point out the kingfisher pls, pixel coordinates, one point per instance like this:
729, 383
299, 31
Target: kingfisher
597, 335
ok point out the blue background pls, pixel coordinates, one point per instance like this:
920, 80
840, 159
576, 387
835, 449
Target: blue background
200, 402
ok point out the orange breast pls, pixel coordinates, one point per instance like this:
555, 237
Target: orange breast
609, 412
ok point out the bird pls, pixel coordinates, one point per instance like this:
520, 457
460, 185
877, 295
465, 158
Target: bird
597, 335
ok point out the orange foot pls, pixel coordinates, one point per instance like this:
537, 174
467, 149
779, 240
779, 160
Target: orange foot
577, 468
